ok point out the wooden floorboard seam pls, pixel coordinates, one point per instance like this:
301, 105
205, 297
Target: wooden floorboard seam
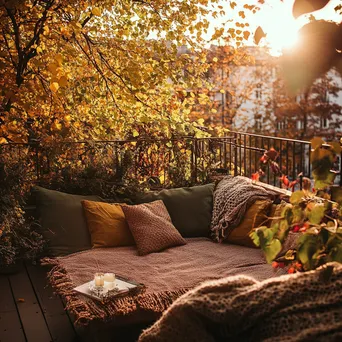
16, 306
51, 306
38, 301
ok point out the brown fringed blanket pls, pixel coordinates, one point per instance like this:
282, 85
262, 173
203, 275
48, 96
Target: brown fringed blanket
166, 275
232, 197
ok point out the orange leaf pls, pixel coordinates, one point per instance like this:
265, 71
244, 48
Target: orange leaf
258, 35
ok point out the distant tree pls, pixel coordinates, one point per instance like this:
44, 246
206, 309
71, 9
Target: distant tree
312, 113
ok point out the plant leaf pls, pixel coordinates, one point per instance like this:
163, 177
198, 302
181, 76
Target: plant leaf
316, 214
258, 35
272, 250
297, 197
307, 6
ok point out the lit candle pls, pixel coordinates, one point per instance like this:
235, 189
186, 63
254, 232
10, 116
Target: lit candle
99, 279
109, 280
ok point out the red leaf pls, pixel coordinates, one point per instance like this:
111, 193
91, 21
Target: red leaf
307, 6
272, 154
255, 176
264, 159
285, 180
292, 184
291, 270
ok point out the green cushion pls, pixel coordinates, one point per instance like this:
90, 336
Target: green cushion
62, 221
190, 208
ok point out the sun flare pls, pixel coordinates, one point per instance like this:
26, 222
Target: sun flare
281, 28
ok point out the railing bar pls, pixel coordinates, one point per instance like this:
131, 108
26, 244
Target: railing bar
294, 161
244, 154
250, 157
240, 155
268, 169
287, 158
255, 154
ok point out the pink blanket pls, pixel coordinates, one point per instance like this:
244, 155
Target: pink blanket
166, 275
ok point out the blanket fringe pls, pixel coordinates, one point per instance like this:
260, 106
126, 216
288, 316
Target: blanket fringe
86, 310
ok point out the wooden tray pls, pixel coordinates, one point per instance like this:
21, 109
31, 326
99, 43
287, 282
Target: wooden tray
123, 287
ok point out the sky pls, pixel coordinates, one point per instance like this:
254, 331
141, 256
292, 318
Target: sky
275, 17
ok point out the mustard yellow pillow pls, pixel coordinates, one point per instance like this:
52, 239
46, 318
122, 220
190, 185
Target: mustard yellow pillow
255, 216
107, 225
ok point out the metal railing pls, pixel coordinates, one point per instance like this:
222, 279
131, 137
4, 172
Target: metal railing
164, 162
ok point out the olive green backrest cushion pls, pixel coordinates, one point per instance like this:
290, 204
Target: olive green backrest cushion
190, 208
62, 220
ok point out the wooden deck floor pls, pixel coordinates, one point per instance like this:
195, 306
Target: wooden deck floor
29, 311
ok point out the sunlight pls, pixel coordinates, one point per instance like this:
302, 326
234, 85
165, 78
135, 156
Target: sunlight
280, 26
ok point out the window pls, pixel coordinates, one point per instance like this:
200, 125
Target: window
258, 93
324, 123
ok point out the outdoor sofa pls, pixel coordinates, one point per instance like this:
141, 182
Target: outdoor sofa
79, 231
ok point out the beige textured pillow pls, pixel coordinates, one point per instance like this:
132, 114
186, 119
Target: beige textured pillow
151, 227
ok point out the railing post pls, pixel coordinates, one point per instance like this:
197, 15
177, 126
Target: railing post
235, 155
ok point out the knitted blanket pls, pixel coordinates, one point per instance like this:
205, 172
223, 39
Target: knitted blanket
299, 307
232, 197
166, 276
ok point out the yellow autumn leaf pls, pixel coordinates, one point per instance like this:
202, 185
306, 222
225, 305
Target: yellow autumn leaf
54, 86
222, 91
59, 59
135, 133
215, 59
63, 81
3, 141
96, 11
213, 110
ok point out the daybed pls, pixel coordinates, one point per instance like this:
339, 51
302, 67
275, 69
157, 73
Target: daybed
167, 272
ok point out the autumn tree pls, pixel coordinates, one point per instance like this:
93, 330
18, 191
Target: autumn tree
86, 69
314, 112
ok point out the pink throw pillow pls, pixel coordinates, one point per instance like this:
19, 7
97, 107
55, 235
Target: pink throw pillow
151, 227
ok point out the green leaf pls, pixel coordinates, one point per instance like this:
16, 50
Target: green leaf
255, 238
307, 247
316, 214
272, 250
298, 214
336, 253
297, 197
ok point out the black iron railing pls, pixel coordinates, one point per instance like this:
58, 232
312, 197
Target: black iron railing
167, 162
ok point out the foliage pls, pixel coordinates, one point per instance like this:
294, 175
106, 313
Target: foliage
85, 69
313, 109
18, 238
117, 171
300, 68
312, 216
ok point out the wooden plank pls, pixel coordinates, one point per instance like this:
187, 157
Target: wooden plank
10, 326
31, 316
59, 325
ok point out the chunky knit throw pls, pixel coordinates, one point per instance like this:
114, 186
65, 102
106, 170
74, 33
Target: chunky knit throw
298, 307
232, 197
